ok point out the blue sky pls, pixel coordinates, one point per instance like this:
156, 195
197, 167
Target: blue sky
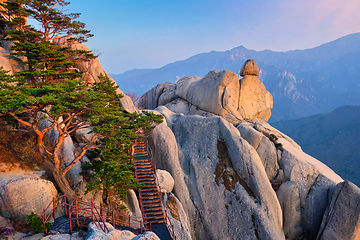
149, 34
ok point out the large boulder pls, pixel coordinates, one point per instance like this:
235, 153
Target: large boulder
255, 101
20, 197
131, 202
231, 196
151, 99
249, 68
166, 181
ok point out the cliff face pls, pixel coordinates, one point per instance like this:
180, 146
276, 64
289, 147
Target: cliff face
236, 176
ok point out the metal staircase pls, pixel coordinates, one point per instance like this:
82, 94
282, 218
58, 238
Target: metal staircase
149, 196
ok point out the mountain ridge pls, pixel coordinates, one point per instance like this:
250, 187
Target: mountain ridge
331, 138
302, 82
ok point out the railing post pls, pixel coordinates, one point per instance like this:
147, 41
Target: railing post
77, 212
92, 211
113, 218
54, 208
65, 204
129, 221
70, 223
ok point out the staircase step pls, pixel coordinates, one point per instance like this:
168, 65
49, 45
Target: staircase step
147, 195
149, 202
146, 170
146, 182
153, 209
156, 217
155, 204
146, 178
142, 161
144, 165
146, 175
150, 197
148, 186
150, 190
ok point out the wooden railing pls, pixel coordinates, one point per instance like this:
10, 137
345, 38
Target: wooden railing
80, 212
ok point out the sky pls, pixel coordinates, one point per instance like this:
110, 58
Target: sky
140, 34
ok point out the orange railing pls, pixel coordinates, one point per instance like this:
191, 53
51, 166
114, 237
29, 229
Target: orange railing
167, 221
79, 210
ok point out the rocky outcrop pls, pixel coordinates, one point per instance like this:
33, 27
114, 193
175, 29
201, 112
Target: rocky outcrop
91, 71
20, 197
303, 184
221, 179
218, 93
214, 164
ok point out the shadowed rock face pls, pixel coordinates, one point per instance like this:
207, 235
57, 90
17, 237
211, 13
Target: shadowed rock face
341, 219
218, 93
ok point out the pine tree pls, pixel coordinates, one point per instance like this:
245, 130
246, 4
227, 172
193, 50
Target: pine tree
48, 91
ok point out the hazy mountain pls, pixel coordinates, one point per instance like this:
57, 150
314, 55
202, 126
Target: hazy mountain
332, 138
302, 82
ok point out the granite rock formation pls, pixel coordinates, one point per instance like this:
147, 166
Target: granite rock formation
219, 93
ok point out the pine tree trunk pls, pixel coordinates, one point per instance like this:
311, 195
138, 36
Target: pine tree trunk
63, 184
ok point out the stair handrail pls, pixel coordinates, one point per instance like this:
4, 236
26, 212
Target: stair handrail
168, 224
104, 228
116, 218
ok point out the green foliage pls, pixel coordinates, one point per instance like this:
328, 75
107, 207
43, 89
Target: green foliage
45, 49
273, 138
278, 145
111, 168
48, 90
37, 223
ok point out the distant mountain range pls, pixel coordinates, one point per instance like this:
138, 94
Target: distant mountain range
302, 82
332, 138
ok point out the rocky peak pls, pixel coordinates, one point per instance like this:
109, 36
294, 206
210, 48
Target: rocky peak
219, 93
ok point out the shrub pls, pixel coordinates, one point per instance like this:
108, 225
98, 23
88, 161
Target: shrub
273, 138
278, 145
36, 222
